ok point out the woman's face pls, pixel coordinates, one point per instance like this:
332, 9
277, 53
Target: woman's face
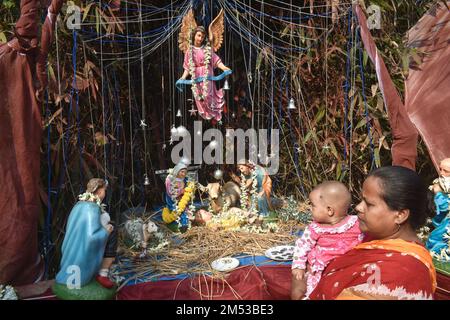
182, 173
375, 217
244, 169
198, 38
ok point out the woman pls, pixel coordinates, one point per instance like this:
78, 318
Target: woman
263, 185
394, 264
90, 242
175, 185
200, 61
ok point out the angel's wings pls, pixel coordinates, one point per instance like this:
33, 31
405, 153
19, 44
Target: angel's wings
187, 26
216, 29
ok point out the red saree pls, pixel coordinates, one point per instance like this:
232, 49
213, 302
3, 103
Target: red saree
380, 269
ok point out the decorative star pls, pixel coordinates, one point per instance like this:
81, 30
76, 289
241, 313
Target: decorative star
143, 124
192, 112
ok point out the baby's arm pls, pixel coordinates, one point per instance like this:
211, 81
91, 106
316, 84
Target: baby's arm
303, 247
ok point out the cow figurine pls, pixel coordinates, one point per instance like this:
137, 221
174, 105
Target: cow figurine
220, 196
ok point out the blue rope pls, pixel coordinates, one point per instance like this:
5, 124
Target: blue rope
119, 125
48, 219
294, 143
77, 108
366, 109
347, 82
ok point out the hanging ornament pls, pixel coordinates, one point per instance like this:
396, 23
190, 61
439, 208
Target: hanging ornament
185, 160
173, 130
226, 86
192, 111
182, 131
218, 174
146, 180
291, 105
179, 113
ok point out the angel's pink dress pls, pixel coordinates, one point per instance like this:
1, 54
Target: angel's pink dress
320, 244
212, 106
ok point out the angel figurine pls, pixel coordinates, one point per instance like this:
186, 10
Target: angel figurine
200, 60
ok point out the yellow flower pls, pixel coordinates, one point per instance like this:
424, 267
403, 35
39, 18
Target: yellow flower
168, 216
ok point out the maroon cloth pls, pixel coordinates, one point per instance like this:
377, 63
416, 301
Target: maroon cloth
20, 132
428, 85
404, 144
248, 283
443, 287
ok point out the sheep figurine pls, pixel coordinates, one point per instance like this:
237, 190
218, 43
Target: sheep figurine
139, 232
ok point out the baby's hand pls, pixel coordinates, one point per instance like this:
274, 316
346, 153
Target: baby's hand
109, 228
298, 274
298, 286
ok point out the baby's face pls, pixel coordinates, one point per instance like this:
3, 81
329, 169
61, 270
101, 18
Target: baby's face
319, 209
444, 168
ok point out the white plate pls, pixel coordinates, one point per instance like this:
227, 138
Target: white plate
280, 253
225, 264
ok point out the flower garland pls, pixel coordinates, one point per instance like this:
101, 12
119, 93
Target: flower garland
253, 196
171, 216
207, 58
89, 196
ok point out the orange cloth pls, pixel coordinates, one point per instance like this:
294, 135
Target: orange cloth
412, 249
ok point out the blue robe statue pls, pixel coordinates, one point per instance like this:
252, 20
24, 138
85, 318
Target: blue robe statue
263, 183
83, 246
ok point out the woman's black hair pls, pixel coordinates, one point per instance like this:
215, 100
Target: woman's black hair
402, 188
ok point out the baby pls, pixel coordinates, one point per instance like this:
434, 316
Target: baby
332, 233
441, 189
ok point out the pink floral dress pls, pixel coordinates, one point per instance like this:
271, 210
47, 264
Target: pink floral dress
212, 106
320, 244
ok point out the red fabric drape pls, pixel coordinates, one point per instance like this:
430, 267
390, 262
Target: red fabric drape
404, 144
428, 84
20, 132
248, 283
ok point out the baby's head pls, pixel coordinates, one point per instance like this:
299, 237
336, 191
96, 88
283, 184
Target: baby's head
444, 167
330, 201
98, 187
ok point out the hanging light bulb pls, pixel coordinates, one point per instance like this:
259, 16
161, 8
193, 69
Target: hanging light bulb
173, 131
186, 161
179, 113
218, 174
291, 105
226, 86
182, 131
233, 115
213, 144
146, 180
